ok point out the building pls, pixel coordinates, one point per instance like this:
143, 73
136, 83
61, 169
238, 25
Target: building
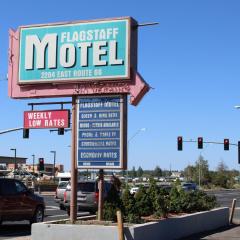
176, 174
11, 163
48, 168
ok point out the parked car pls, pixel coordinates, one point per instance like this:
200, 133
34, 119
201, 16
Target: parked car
18, 203
134, 190
87, 195
189, 186
167, 187
59, 194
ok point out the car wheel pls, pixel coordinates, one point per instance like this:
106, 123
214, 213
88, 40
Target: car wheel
61, 207
68, 211
38, 215
93, 212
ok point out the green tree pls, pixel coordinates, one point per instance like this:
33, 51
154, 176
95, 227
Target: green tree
143, 202
139, 172
130, 210
133, 172
157, 172
221, 176
202, 168
190, 172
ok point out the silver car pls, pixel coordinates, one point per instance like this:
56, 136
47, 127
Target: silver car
87, 195
59, 194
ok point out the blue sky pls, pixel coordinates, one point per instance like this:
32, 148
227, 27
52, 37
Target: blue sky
191, 60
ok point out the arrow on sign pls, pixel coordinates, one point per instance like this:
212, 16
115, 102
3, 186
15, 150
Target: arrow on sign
138, 89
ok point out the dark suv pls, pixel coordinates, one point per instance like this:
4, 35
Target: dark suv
18, 203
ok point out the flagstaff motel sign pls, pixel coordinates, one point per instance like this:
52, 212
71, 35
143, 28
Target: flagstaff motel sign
79, 51
95, 60
67, 59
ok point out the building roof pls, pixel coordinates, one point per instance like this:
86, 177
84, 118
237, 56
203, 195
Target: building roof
9, 160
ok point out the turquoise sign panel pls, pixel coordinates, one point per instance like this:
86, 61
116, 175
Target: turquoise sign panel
96, 50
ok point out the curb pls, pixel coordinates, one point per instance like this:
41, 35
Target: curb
45, 193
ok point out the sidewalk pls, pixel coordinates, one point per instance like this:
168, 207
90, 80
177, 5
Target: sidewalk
228, 233
22, 238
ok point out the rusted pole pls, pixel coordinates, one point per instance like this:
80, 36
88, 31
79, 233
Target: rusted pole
100, 196
232, 210
73, 202
120, 226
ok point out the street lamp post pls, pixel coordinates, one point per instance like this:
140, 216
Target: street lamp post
131, 138
199, 163
54, 163
136, 133
33, 163
15, 160
199, 171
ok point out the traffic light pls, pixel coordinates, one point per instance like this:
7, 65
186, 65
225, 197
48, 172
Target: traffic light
41, 164
200, 143
180, 143
226, 144
25, 133
60, 131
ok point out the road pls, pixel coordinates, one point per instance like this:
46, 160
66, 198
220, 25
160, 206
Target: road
12, 230
225, 197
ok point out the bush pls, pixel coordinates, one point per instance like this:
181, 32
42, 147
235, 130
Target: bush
143, 202
130, 210
188, 202
176, 199
155, 200
112, 203
109, 211
161, 203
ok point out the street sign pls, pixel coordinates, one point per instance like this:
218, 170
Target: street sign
70, 52
47, 119
102, 132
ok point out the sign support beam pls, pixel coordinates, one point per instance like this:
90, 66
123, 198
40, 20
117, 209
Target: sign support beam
100, 198
73, 203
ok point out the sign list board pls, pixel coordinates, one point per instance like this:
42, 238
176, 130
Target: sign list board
102, 132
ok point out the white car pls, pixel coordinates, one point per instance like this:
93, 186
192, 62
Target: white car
134, 190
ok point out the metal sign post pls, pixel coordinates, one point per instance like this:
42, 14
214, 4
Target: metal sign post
73, 203
100, 197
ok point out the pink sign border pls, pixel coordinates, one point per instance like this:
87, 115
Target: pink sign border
136, 86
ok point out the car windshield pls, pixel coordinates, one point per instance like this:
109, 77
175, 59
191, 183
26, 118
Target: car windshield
86, 186
62, 184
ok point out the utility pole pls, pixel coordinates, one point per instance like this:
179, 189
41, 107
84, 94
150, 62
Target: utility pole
199, 173
15, 159
74, 170
33, 163
54, 163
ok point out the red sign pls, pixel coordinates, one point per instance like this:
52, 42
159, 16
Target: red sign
47, 119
